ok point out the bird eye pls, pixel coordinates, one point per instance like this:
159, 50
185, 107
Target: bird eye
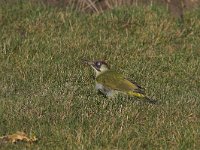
98, 64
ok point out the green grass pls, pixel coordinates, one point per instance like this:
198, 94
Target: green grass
47, 91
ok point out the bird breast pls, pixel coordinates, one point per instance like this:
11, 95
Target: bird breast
99, 86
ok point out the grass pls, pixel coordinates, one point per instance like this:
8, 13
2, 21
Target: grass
45, 89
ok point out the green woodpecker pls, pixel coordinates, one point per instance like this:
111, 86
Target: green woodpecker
110, 82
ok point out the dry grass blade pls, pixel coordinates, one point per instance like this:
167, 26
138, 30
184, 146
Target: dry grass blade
92, 5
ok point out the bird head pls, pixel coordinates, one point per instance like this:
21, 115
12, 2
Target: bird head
98, 66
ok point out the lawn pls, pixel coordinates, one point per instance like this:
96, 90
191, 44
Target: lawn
46, 91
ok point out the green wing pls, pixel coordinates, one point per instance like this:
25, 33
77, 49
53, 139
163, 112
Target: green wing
116, 81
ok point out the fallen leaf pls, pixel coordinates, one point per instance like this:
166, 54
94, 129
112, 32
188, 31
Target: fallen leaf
18, 136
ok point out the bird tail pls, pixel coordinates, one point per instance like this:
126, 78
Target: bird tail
142, 96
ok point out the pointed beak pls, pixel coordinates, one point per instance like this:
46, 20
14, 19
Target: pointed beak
86, 62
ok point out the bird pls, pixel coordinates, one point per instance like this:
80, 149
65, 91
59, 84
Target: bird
109, 82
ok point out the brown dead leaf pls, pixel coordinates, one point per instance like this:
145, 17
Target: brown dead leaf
18, 136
